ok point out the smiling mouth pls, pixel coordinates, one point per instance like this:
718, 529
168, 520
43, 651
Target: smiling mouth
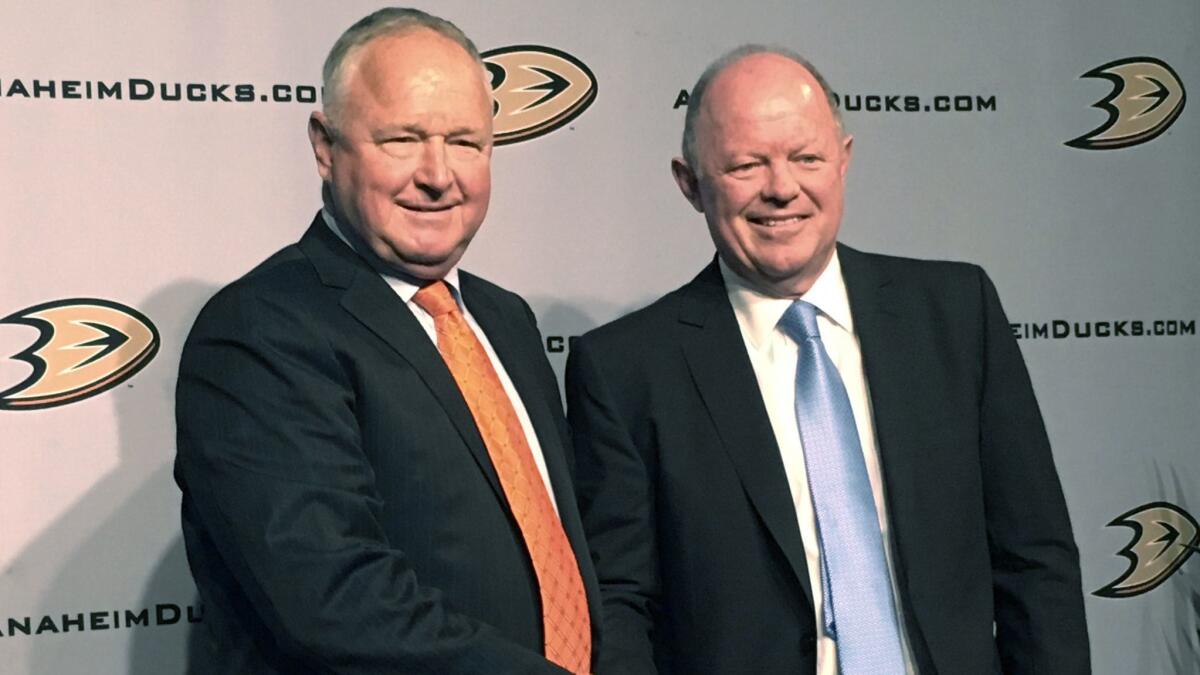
426, 208
420, 207
778, 221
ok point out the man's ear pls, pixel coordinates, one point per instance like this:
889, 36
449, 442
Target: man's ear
320, 134
688, 182
847, 145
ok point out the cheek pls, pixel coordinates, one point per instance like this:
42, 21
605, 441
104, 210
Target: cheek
475, 179
373, 197
825, 187
729, 200
372, 169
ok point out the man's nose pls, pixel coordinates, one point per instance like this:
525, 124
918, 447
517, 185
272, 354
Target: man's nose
432, 174
782, 187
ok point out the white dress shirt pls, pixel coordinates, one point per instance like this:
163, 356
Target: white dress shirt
406, 290
773, 356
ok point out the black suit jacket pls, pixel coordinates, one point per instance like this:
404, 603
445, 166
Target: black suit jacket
692, 526
340, 510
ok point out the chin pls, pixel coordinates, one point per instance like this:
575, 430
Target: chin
783, 271
428, 259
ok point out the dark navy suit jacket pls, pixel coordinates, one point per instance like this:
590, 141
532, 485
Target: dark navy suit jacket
340, 510
692, 526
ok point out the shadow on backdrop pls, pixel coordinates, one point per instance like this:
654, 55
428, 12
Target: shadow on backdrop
139, 497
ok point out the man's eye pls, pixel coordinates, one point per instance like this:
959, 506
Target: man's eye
808, 159
744, 167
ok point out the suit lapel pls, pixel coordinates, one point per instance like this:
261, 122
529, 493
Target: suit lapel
894, 383
369, 300
373, 303
521, 368
716, 356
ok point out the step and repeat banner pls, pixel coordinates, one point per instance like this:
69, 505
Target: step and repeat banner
151, 152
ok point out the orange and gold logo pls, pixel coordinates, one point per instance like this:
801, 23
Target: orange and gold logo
84, 347
1146, 99
535, 90
1165, 536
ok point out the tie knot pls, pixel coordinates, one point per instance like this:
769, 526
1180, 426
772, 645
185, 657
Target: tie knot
800, 321
436, 299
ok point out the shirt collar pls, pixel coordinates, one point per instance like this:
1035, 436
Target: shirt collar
759, 313
404, 286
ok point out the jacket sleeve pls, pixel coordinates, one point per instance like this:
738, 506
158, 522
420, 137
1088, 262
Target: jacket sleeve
1039, 614
616, 499
275, 479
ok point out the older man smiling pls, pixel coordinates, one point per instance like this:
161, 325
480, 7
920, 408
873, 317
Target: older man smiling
811, 459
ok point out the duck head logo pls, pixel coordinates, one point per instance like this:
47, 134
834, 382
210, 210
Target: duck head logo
535, 90
1165, 536
1146, 99
84, 347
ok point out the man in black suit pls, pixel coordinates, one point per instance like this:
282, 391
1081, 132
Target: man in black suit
354, 501
703, 456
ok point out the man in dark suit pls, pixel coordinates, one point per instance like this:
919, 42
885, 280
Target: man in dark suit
371, 442
810, 459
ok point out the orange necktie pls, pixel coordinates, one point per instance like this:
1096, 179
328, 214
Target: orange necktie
565, 619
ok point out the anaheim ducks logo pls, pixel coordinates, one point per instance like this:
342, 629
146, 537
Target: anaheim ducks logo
1147, 97
85, 347
1165, 536
535, 90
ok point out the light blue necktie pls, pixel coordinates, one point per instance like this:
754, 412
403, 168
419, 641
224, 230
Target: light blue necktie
859, 613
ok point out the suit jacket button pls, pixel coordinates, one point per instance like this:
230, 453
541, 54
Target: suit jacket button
808, 643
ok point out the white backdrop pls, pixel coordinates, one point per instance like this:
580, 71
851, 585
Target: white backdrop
154, 204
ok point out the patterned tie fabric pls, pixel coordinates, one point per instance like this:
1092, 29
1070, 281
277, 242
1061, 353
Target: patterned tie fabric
567, 626
859, 611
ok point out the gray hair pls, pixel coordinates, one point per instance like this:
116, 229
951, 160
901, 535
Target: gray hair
384, 22
728, 59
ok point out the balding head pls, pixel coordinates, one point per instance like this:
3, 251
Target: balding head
386, 22
700, 91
